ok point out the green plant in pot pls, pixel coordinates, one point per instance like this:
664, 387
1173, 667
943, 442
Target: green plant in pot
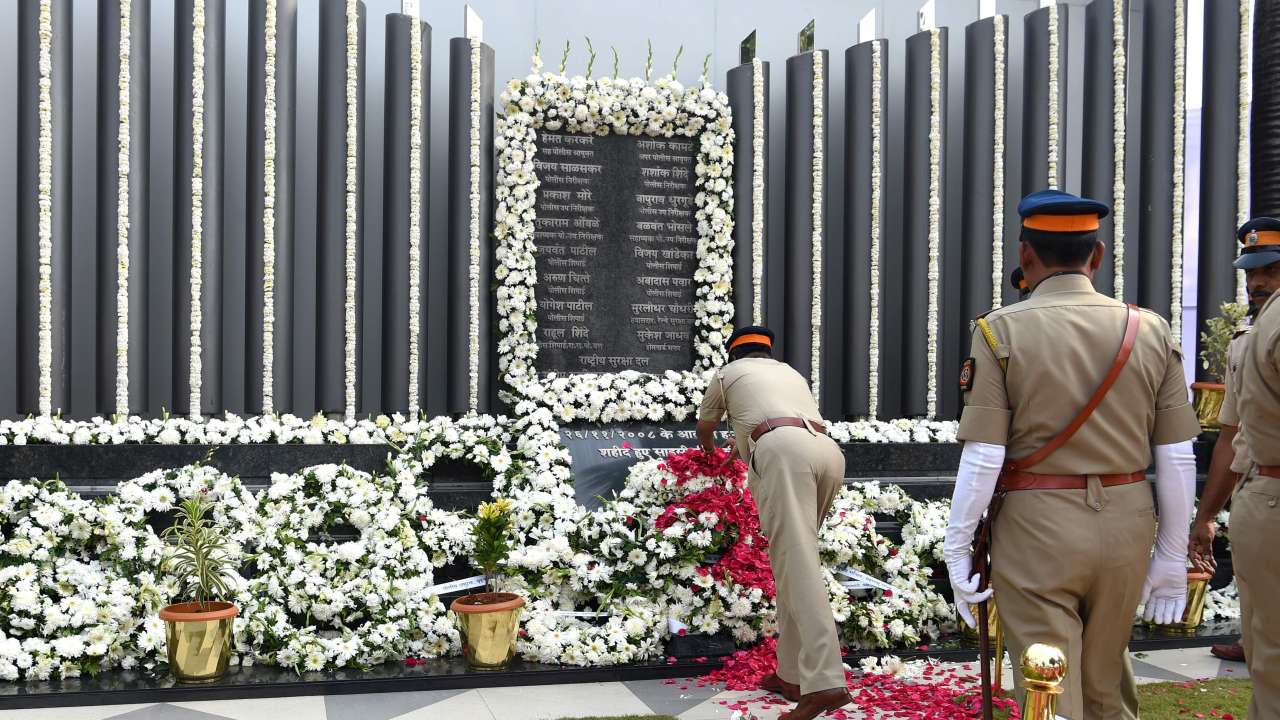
199, 629
1215, 342
490, 620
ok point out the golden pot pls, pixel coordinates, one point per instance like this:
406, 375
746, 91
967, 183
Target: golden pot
1197, 587
199, 639
993, 622
488, 623
1208, 398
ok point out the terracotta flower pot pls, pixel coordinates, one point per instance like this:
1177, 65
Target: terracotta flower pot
488, 623
1208, 400
199, 639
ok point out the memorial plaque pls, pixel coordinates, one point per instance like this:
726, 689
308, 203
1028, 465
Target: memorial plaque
601, 457
617, 251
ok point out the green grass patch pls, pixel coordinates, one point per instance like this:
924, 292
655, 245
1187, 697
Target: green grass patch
1225, 699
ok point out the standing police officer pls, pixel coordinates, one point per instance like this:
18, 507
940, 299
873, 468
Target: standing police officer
795, 473
1255, 517
1066, 394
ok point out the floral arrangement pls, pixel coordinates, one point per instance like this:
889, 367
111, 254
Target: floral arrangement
603, 106
492, 532
1216, 339
199, 555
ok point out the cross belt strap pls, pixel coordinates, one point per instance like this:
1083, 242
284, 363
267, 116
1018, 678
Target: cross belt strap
775, 423
1269, 470
1133, 321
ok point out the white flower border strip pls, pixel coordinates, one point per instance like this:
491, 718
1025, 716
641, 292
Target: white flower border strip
877, 194
935, 213
269, 208
699, 113
196, 277
757, 191
473, 234
352, 219
1245, 94
415, 203
997, 162
1055, 127
815, 289
1118, 100
44, 197
122, 212
1179, 163
291, 429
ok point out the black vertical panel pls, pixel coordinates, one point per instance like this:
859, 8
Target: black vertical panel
184, 186
230, 362
395, 216
63, 203
459, 226
139, 203
797, 328
306, 208
1264, 133
162, 192
250, 397
1098, 134
26, 216
331, 208
1219, 140
915, 236
288, 21
1035, 99
1134, 130
1155, 203
213, 235
741, 91
860, 201
12, 195
108, 133
978, 202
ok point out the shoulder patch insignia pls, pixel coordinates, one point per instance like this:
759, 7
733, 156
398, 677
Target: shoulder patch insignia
966, 374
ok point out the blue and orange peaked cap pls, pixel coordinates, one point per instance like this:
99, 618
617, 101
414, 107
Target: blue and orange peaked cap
1259, 243
1057, 211
751, 337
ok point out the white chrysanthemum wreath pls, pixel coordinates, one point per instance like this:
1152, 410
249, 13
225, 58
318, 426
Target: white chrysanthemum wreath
78, 593
342, 576
603, 106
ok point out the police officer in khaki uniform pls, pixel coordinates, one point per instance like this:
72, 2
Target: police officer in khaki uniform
795, 473
1066, 395
1255, 506
1230, 454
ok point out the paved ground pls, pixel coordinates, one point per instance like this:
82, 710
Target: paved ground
681, 698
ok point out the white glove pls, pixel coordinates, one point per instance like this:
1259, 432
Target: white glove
1164, 594
975, 482
964, 585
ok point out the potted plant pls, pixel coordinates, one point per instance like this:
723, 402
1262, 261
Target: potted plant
1215, 341
199, 630
490, 620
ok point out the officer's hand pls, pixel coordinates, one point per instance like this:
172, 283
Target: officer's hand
964, 586
1164, 594
729, 448
1200, 547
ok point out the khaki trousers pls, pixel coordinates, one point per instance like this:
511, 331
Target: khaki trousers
795, 476
1068, 568
1255, 532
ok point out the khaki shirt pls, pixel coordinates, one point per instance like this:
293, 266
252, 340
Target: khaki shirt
1259, 404
752, 390
1229, 415
1060, 343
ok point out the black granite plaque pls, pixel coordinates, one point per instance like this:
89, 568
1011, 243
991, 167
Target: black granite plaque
603, 455
617, 251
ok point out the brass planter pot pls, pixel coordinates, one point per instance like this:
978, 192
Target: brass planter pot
488, 623
1197, 588
1208, 399
199, 639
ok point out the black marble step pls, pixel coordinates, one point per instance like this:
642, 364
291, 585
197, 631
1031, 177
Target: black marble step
121, 686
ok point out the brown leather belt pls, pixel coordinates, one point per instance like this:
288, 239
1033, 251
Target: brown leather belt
1011, 480
1269, 470
775, 423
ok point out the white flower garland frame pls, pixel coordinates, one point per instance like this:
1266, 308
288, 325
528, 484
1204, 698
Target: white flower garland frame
270, 101
878, 49
543, 101
44, 200
195, 370
122, 211
1119, 87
